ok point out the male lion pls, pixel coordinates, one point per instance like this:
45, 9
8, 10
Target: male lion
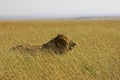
59, 44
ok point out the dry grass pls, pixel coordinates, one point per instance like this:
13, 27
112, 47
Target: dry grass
96, 56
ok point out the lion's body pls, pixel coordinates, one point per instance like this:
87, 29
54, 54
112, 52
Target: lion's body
27, 48
59, 44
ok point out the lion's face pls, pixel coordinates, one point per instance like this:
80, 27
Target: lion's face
60, 44
71, 45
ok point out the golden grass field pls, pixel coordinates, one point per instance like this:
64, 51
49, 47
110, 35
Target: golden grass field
96, 56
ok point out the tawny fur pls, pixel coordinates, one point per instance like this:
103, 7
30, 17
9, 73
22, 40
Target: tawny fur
59, 44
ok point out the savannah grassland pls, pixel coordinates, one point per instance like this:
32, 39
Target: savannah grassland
96, 56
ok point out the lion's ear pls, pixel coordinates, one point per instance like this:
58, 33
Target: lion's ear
59, 36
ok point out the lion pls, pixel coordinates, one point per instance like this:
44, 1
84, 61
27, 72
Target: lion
60, 44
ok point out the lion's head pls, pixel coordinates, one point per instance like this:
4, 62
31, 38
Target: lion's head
59, 44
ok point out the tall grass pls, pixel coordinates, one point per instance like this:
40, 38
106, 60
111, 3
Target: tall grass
96, 56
